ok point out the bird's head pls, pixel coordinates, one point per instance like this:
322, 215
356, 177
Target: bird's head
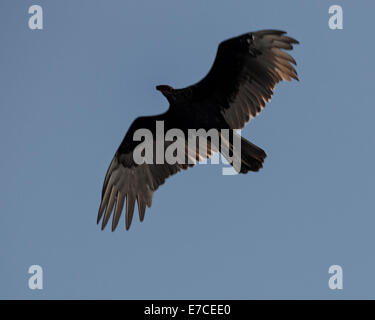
166, 90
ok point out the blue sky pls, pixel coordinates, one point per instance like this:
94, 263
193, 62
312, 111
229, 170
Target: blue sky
69, 93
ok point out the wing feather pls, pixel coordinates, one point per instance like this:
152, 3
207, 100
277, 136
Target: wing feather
244, 74
127, 182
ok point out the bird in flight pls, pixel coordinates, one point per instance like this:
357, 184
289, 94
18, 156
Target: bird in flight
240, 82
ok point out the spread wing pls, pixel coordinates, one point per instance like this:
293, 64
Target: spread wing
126, 181
245, 72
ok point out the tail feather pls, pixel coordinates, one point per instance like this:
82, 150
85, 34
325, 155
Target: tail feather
252, 157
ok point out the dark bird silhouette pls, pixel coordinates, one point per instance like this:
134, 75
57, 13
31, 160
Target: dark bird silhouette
241, 80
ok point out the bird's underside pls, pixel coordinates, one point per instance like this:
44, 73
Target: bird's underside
242, 79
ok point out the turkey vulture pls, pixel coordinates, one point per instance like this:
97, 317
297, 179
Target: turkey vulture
241, 80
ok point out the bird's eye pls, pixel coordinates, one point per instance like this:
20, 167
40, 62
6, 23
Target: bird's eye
250, 38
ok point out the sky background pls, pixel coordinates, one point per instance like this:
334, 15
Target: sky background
68, 95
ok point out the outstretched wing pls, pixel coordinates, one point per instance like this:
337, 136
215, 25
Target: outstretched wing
134, 183
245, 72
127, 181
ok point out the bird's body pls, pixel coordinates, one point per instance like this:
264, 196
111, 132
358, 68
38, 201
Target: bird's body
240, 82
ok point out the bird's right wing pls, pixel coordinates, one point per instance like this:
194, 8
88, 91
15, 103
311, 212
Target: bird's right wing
127, 181
134, 183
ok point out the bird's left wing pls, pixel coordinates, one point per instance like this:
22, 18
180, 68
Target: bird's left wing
245, 72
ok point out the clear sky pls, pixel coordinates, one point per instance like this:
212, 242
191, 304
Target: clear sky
68, 95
